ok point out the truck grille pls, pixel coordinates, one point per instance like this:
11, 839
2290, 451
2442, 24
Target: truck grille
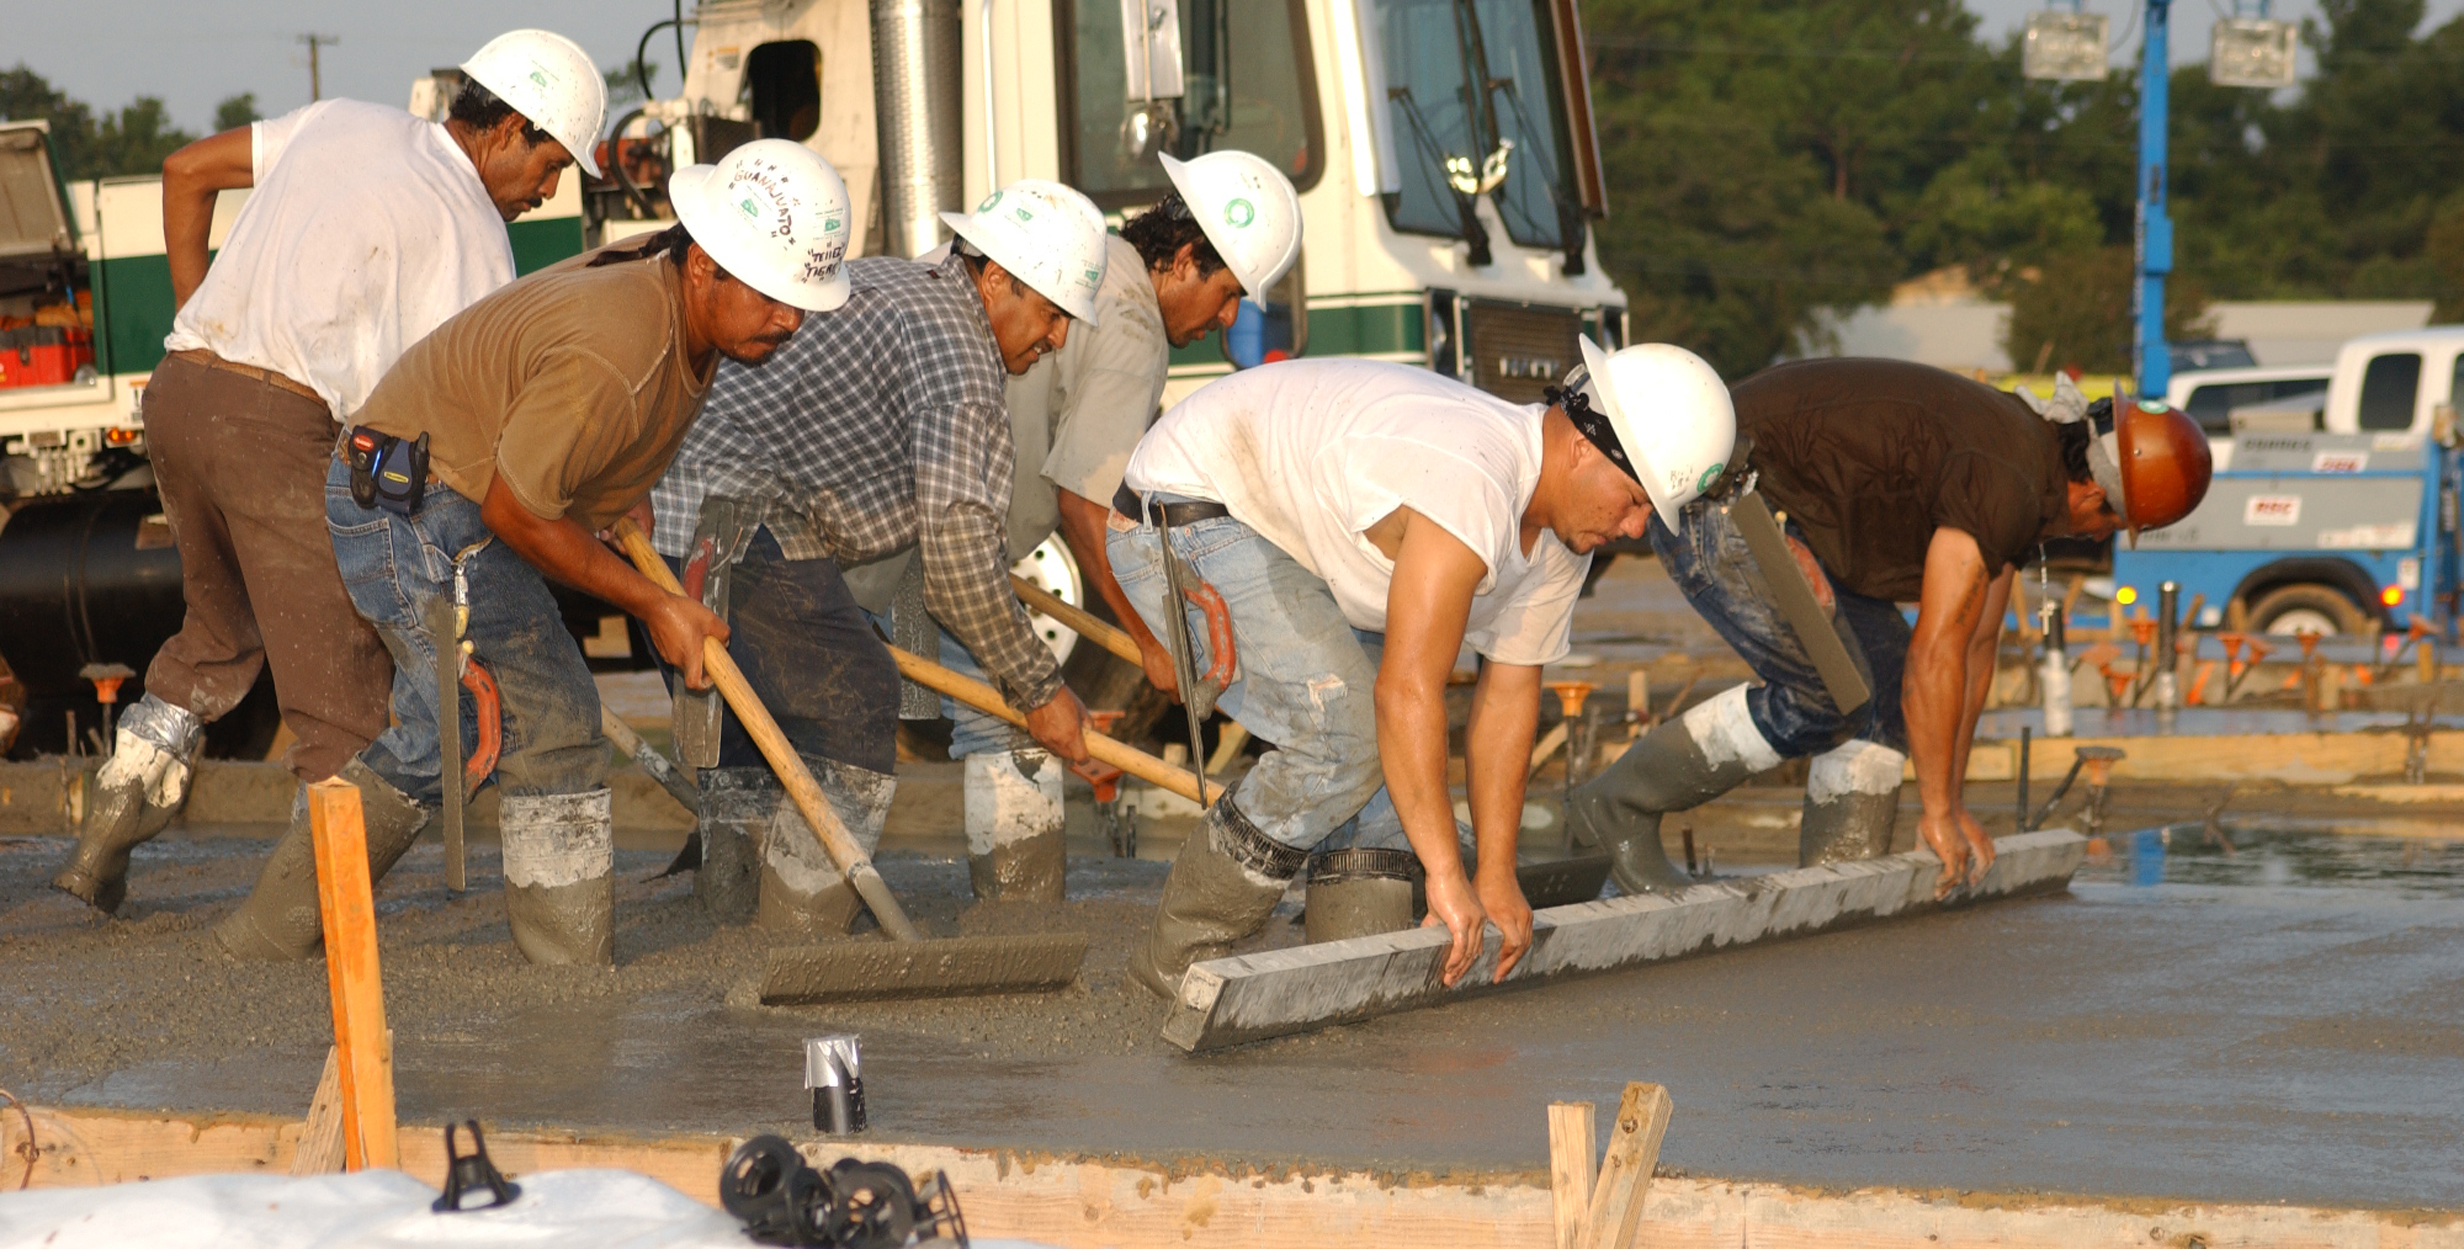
1517, 349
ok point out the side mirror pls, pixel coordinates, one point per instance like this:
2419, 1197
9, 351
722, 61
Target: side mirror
1151, 72
2442, 425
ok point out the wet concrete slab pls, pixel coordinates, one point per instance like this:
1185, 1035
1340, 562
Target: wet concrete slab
2283, 1022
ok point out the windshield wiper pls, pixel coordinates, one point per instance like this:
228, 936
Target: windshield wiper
1570, 224
1474, 234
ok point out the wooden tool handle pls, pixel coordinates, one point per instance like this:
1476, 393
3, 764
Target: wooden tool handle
1108, 636
986, 699
792, 773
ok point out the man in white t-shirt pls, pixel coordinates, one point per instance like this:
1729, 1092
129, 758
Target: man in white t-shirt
368, 227
1362, 522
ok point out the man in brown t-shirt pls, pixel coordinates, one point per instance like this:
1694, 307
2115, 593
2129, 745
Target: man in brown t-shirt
1895, 482
546, 411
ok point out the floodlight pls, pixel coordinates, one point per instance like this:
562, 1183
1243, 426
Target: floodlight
2252, 52
2065, 47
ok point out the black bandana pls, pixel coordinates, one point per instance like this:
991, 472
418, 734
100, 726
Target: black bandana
1594, 426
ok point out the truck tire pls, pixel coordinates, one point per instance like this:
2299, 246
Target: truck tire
2289, 610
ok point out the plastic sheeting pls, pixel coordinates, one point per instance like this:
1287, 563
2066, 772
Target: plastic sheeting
594, 1209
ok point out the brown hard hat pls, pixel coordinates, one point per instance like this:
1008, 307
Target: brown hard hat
2165, 465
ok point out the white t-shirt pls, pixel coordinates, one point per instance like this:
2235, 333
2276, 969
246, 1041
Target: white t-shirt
1311, 453
368, 228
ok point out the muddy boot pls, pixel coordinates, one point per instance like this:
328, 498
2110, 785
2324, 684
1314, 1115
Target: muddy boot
280, 919
1015, 851
1359, 893
802, 889
133, 797
1851, 802
1224, 883
560, 876
737, 805
1681, 764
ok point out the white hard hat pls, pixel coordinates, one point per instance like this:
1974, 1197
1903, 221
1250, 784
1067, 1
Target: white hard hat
1670, 412
1047, 235
1249, 212
550, 80
775, 215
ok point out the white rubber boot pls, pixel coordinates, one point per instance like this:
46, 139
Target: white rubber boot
560, 876
802, 889
1015, 851
1711, 749
134, 796
1358, 893
1851, 802
281, 918
737, 806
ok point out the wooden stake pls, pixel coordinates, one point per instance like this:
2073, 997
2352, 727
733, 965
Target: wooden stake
320, 1138
365, 1065
1625, 1174
1573, 1163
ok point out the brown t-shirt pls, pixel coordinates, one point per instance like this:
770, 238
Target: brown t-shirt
572, 385
1869, 457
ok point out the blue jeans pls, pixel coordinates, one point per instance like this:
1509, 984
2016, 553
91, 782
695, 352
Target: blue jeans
394, 569
1710, 563
973, 732
1306, 681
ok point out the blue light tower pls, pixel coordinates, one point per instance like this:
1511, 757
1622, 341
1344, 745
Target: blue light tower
2150, 358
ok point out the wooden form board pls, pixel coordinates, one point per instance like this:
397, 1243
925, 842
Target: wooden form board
363, 1045
1250, 997
1090, 1203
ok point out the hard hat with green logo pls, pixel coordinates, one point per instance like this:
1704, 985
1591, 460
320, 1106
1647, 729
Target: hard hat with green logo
1047, 235
1670, 418
1249, 212
550, 80
773, 214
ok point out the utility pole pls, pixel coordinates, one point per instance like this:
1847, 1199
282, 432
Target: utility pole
316, 80
2151, 359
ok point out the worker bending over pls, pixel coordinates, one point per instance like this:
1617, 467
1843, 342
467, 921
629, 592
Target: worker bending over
1175, 271
1360, 522
543, 414
871, 462
368, 228
1897, 482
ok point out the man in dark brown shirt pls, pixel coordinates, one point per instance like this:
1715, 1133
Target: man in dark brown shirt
1894, 482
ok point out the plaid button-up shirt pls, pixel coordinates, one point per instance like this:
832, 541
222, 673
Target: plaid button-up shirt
879, 426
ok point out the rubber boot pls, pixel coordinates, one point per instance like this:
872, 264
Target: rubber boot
1682, 764
1851, 802
1224, 883
560, 877
737, 806
134, 796
1359, 893
802, 889
1015, 851
281, 919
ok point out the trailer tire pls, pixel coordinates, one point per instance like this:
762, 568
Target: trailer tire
2294, 609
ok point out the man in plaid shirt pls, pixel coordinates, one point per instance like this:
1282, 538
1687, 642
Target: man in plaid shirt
871, 464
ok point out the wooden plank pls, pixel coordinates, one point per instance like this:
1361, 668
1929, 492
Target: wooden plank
320, 1138
1625, 1173
1250, 997
365, 1065
1572, 1164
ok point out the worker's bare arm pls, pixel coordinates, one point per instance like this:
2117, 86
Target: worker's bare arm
1427, 604
564, 550
1935, 695
1497, 760
1984, 648
1082, 527
192, 177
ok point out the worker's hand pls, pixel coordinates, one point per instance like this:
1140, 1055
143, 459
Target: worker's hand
1946, 834
1980, 846
1158, 664
640, 515
1501, 894
1060, 726
1814, 575
1454, 903
677, 626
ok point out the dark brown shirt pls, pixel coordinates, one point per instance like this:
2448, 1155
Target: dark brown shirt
1869, 457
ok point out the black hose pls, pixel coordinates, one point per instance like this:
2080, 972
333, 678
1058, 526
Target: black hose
616, 166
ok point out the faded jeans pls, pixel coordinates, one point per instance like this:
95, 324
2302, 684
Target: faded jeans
1709, 561
394, 569
1306, 681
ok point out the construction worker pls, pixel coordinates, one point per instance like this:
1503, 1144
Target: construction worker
536, 419
1360, 522
368, 228
870, 464
1231, 226
1897, 482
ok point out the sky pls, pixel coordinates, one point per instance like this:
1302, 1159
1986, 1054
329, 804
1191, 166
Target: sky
193, 53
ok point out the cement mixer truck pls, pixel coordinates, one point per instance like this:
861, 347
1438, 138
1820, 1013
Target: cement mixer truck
1443, 149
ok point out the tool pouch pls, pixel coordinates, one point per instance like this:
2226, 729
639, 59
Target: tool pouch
719, 539
386, 471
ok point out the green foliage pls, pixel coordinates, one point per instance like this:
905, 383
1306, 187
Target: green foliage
624, 86
2073, 312
133, 140
236, 111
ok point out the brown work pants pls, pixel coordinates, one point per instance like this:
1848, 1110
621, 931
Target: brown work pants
241, 465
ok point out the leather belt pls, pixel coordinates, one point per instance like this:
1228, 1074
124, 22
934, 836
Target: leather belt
199, 355
1128, 503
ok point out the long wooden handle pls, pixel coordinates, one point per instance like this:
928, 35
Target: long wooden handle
1108, 636
986, 699
841, 845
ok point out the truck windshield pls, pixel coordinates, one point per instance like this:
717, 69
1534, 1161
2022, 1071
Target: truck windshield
1249, 87
1474, 84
